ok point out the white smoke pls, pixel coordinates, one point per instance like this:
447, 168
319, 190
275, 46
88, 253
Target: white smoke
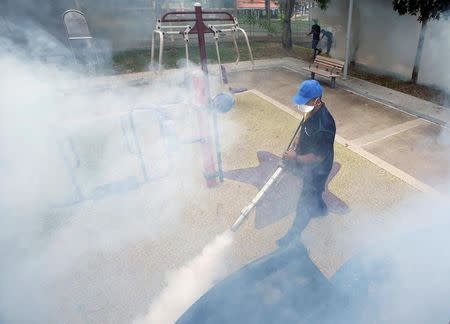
71, 254
190, 282
403, 266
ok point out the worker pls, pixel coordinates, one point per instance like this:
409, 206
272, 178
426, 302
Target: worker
311, 156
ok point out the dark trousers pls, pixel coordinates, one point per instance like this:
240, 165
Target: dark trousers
314, 44
316, 50
310, 203
329, 43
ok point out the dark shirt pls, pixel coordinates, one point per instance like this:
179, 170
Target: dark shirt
328, 35
317, 137
315, 30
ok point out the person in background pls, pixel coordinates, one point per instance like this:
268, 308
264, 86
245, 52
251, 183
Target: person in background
329, 36
311, 156
315, 31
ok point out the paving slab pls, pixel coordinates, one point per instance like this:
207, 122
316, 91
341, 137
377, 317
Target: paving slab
423, 151
355, 115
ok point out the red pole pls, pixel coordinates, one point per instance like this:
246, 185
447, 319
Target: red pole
201, 99
200, 27
201, 86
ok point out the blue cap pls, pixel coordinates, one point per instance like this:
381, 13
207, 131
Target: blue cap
308, 90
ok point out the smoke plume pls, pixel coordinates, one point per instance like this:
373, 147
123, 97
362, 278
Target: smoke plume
187, 284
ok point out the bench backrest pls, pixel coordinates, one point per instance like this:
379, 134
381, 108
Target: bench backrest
328, 64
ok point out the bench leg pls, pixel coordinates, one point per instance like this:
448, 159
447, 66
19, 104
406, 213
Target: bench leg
333, 82
313, 75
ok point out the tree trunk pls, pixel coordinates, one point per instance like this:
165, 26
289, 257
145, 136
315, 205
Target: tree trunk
415, 72
267, 7
288, 9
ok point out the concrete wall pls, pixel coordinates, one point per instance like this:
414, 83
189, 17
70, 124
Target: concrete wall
386, 42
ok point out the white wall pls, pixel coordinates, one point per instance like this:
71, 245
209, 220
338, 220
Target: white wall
435, 63
386, 42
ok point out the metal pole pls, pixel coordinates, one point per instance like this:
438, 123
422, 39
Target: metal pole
201, 36
200, 82
347, 38
77, 5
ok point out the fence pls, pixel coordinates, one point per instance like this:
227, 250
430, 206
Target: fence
130, 27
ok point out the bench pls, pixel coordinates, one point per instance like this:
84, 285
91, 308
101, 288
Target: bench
326, 67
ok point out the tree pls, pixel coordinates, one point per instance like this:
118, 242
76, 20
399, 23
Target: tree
286, 10
267, 8
323, 4
425, 10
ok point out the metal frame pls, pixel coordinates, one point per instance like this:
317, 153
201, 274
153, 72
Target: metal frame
88, 38
201, 82
130, 136
161, 30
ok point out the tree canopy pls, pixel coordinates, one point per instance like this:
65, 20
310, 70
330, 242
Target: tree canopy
423, 9
323, 4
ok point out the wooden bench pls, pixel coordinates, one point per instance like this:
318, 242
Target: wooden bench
326, 67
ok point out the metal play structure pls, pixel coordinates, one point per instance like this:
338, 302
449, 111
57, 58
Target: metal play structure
80, 39
129, 125
177, 23
129, 133
200, 23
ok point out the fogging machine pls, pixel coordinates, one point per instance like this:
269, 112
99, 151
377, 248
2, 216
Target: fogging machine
246, 211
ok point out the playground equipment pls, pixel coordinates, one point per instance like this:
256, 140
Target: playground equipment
125, 134
188, 23
80, 39
173, 23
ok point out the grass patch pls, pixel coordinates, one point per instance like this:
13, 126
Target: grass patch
428, 93
139, 60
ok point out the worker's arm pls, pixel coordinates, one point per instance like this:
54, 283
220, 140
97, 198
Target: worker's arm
323, 145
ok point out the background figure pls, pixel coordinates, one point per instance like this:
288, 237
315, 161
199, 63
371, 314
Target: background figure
315, 31
329, 36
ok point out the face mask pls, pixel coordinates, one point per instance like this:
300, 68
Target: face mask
305, 108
